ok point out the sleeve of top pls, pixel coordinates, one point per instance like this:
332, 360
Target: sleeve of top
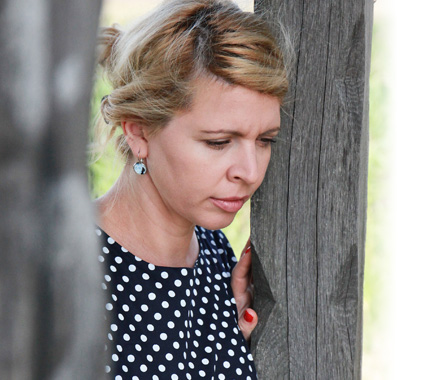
228, 255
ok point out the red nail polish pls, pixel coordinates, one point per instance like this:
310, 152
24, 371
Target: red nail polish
248, 316
248, 250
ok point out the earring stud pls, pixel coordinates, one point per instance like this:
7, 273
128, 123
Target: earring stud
139, 167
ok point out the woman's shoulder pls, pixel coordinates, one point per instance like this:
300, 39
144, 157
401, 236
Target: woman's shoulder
215, 243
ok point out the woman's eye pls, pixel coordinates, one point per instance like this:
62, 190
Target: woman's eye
217, 144
266, 141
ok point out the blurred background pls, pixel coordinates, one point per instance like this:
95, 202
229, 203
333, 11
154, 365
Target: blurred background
396, 290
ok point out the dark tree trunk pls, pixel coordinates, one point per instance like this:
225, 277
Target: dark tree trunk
308, 218
51, 318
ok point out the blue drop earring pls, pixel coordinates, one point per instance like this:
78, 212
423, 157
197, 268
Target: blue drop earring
139, 167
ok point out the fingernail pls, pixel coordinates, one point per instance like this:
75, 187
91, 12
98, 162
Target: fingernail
248, 250
248, 316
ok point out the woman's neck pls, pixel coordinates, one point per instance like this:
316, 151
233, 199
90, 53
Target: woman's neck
133, 214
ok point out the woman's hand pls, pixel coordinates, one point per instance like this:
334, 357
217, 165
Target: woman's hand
241, 283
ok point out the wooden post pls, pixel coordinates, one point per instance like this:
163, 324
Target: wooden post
51, 320
308, 218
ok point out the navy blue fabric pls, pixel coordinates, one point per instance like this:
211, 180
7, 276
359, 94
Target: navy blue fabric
174, 323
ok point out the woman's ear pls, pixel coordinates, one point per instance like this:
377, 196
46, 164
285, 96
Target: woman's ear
135, 136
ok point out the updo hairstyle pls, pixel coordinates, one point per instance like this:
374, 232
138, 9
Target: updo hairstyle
151, 66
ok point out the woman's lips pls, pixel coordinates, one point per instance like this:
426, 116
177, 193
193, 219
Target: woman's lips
229, 204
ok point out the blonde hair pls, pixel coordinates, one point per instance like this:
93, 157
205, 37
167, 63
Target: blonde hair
151, 66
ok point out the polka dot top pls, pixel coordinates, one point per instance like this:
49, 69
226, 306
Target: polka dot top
174, 323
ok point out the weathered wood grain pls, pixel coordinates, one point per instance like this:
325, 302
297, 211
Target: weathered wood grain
308, 218
51, 318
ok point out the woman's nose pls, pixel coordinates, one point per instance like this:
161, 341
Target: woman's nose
244, 166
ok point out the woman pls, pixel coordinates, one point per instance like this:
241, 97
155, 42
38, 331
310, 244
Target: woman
197, 88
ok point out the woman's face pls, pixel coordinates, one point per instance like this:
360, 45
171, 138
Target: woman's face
209, 160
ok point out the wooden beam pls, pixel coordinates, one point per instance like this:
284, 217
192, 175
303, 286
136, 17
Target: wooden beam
308, 218
51, 320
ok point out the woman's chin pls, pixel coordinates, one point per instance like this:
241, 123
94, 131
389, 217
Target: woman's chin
217, 223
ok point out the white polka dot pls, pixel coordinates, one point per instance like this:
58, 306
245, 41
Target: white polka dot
138, 347
202, 373
109, 306
161, 368
178, 283
184, 272
143, 338
112, 268
115, 357
170, 325
101, 259
120, 287
119, 377
119, 348
177, 313
126, 337
107, 278
164, 275
250, 357
130, 358
151, 266
125, 279
169, 357
155, 377
149, 358
144, 307
202, 311
132, 297
165, 304
152, 296
125, 308
113, 327
145, 276
120, 316
107, 369
110, 240
226, 364
171, 293
205, 361
234, 341
105, 250
143, 368
239, 371
150, 327
118, 260
157, 316
183, 303
208, 349
175, 377
98, 232
138, 317
221, 376
163, 336
231, 352
176, 345
132, 268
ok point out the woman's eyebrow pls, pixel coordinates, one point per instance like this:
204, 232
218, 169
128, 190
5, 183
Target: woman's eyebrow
237, 133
